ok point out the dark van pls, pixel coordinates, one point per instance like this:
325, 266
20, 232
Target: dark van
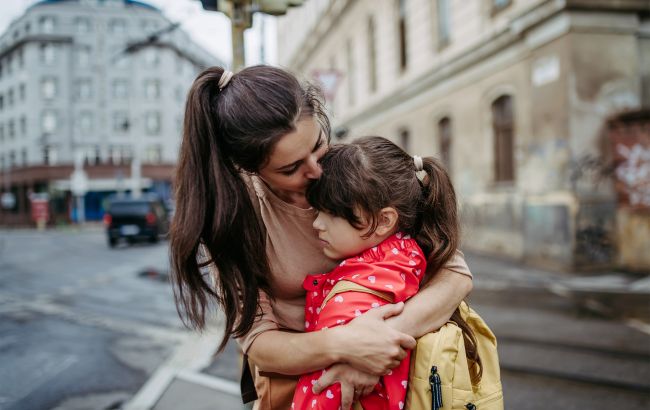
144, 218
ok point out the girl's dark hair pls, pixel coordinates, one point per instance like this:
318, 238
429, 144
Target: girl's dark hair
225, 133
371, 173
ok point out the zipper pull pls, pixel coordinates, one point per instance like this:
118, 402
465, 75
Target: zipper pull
436, 389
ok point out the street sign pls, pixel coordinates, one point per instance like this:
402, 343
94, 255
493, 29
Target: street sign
79, 182
329, 81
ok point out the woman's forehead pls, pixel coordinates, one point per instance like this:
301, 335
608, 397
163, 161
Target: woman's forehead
295, 145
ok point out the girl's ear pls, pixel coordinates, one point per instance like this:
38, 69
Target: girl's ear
387, 221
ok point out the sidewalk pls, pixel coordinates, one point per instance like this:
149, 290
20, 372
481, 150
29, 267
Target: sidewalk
192, 373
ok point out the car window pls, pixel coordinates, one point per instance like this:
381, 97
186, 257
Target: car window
129, 208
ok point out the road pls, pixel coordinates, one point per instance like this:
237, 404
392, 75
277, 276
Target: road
79, 328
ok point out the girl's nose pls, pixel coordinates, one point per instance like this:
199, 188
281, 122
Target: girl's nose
317, 224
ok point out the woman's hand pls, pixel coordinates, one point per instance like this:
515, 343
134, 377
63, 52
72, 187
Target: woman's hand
354, 383
372, 346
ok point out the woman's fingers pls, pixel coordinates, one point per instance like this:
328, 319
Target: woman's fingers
347, 395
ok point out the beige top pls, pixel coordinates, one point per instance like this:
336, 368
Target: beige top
294, 251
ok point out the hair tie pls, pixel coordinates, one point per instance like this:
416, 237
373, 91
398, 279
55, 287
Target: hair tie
225, 79
419, 165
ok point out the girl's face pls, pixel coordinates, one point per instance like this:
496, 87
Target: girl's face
341, 240
294, 159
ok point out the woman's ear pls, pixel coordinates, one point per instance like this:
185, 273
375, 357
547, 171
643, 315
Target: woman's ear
387, 221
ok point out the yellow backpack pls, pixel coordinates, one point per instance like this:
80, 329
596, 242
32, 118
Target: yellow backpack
440, 379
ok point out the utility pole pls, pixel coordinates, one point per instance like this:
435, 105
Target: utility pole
241, 18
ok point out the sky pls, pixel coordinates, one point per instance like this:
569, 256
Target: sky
211, 30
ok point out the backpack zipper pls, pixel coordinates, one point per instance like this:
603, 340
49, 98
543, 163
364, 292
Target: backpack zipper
436, 390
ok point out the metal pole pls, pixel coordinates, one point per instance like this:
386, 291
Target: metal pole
238, 22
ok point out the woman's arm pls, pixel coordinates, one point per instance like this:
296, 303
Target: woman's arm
367, 343
434, 304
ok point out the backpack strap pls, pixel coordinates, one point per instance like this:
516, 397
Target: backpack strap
349, 286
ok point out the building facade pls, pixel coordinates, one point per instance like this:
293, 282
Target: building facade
99, 83
512, 95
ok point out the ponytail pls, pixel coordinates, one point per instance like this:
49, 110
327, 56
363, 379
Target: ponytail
439, 236
214, 209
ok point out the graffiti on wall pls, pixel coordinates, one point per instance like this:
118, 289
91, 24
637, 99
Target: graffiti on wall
592, 169
633, 173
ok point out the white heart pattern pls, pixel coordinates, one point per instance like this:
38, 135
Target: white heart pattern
329, 394
395, 251
304, 389
317, 310
404, 383
412, 262
389, 286
375, 305
357, 312
306, 325
372, 279
338, 299
401, 405
313, 403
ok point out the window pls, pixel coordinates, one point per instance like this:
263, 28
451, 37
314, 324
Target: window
84, 89
121, 123
82, 56
127, 153
47, 53
49, 122
154, 154
10, 97
22, 92
11, 129
49, 155
152, 89
401, 31
23, 126
120, 89
82, 25
2, 132
93, 155
372, 55
20, 58
117, 26
47, 24
443, 23
444, 140
12, 158
85, 123
152, 123
2, 102
151, 57
23, 155
49, 88
350, 61
405, 140
503, 125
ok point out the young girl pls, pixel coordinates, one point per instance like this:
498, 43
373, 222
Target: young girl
380, 212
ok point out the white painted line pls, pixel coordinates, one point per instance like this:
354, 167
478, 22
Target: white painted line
639, 325
215, 383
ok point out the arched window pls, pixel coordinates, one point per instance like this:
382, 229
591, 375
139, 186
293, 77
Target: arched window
504, 136
444, 141
372, 55
405, 139
401, 30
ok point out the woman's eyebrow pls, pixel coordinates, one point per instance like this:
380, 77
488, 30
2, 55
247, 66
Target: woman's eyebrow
300, 161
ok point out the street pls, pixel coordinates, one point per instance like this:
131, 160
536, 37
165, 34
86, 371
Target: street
82, 328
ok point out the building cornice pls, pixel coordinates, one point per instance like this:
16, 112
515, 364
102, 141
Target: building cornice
37, 38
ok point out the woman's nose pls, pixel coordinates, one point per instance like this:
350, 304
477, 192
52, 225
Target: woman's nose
314, 171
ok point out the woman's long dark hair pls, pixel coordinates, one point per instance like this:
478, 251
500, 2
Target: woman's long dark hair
227, 132
372, 173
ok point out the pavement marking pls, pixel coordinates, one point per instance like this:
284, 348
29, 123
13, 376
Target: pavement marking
212, 382
639, 325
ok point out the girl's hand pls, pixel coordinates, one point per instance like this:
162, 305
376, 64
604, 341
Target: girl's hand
354, 383
371, 345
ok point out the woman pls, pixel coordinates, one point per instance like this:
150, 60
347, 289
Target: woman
251, 144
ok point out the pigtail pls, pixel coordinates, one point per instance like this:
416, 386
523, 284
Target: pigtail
439, 235
213, 208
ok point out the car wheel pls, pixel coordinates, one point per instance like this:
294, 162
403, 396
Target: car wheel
153, 238
112, 242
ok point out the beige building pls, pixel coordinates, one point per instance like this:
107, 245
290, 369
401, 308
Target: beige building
513, 95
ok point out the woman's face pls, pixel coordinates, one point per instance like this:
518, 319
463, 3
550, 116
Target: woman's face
294, 159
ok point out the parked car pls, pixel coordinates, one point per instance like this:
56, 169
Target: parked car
144, 218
